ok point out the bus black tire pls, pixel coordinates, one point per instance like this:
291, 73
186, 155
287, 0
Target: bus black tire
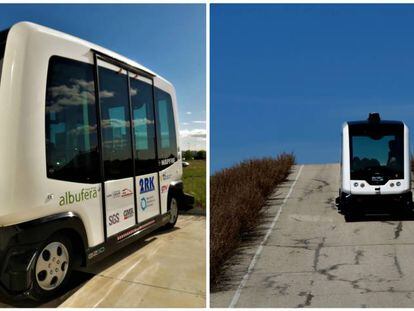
173, 210
55, 255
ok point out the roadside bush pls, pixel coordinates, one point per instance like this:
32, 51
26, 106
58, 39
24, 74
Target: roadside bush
187, 155
237, 195
200, 155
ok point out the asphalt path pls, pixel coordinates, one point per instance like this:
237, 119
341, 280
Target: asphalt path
304, 254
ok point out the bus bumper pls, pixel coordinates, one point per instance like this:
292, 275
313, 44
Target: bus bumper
17, 261
390, 202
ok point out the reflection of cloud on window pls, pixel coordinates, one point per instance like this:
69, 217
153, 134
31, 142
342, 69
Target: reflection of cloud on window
134, 91
106, 94
81, 130
143, 121
108, 123
78, 92
89, 85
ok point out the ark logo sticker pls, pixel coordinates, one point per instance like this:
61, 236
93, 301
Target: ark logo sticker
146, 184
84, 195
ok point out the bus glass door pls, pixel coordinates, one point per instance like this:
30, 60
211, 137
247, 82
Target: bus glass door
116, 148
146, 167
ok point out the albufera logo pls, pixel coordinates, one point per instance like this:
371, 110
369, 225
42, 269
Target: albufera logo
83, 195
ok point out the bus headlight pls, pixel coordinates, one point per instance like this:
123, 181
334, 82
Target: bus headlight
398, 183
355, 184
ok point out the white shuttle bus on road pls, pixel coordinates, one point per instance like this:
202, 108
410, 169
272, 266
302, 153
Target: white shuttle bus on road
90, 156
375, 166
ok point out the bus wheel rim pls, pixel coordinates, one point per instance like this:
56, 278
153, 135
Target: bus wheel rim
173, 210
52, 266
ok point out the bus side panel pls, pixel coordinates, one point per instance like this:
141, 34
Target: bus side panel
167, 177
407, 162
346, 174
173, 172
29, 193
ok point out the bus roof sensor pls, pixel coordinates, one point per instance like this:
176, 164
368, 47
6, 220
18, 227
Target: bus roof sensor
374, 117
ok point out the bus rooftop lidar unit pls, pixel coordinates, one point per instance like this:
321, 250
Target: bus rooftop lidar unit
375, 166
90, 160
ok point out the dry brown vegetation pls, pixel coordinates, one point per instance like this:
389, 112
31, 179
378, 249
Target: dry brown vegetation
236, 196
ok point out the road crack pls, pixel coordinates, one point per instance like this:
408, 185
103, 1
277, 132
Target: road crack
308, 300
317, 254
397, 266
358, 255
398, 230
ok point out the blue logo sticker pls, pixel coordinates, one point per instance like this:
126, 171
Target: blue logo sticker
143, 204
146, 184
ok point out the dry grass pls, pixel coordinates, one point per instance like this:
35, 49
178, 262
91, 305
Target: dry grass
236, 196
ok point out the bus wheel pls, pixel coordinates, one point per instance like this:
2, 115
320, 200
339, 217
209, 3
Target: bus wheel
173, 210
53, 267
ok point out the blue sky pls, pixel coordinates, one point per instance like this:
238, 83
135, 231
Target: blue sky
285, 77
168, 39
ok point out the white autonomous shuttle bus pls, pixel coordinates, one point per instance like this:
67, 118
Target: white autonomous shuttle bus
89, 156
375, 166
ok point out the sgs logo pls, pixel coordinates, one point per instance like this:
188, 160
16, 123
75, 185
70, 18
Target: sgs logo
113, 219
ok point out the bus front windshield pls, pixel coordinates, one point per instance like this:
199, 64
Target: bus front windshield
377, 156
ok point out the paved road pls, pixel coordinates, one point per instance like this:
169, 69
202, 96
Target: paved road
313, 258
164, 270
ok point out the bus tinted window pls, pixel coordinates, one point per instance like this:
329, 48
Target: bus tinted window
117, 153
71, 138
167, 141
2, 48
3, 38
144, 130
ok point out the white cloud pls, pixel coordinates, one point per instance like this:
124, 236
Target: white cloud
193, 143
188, 112
199, 122
193, 139
185, 123
200, 133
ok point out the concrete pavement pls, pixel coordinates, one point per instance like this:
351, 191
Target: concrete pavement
166, 269
313, 258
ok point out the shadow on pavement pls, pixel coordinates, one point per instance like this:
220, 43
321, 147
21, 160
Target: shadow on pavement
82, 275
76, 281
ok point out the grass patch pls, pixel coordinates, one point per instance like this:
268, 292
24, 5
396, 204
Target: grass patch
237, 195
194, 178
